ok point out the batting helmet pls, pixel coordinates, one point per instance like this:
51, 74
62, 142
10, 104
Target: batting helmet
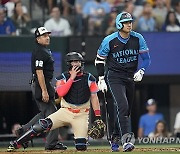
122, 17
73, 56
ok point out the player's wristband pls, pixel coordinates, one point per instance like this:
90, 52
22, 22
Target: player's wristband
97, 113
143, 69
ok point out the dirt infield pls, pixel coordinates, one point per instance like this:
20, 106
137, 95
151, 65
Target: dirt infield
96, 150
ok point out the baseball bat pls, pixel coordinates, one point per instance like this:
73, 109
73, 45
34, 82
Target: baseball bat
107, 119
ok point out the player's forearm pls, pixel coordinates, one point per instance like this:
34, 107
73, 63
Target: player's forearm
146, 60
41, 79
95, 104
62, 90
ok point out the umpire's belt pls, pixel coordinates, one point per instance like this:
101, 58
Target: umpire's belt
77, 110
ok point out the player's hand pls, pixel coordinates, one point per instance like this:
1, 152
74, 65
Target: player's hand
102, 84
45, 96
74, 71
138, 75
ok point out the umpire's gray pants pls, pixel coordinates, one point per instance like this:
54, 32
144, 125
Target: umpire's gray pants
45, 110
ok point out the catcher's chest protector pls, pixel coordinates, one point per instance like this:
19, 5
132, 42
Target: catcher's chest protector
79, 92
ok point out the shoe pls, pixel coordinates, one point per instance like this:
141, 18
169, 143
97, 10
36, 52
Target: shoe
20, 132
114, 147
58, 146
115, 143
13, 146
128, 147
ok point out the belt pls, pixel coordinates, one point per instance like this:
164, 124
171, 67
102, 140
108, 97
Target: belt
77, 110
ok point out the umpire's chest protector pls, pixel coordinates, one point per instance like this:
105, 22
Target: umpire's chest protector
79, 92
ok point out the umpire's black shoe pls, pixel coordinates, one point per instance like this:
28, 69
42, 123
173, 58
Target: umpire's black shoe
58, 146
20, 132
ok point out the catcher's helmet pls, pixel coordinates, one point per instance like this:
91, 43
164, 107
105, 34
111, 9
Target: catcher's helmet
73, 56
122, 17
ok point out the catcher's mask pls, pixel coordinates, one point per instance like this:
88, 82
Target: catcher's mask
74, 56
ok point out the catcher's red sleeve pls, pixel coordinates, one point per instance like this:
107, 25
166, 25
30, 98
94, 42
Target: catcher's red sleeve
63, 87
93, 87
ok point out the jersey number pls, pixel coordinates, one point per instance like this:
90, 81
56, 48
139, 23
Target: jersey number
39, 63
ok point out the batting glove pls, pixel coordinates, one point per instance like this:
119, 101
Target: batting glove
138, 75
102, 84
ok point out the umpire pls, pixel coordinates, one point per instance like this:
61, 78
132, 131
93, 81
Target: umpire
42, 65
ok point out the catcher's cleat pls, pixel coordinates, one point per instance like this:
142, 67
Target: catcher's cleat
13, 146
20, 132
128, 147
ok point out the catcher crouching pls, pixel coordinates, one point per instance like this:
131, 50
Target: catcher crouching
77, 89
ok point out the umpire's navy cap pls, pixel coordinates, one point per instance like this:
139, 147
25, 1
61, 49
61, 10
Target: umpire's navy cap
150, 102
40, 31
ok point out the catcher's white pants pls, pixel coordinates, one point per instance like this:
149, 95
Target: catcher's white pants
78, 121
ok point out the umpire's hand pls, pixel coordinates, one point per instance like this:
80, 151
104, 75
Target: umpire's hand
102, 84
45, 96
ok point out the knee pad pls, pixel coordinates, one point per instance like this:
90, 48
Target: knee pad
81, 144
43, 125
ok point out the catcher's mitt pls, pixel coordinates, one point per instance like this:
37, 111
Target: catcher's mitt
97, 130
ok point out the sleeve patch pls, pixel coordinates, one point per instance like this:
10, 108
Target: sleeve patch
39, 63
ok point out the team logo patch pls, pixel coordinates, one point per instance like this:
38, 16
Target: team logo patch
127, 15
116, 45
77, 80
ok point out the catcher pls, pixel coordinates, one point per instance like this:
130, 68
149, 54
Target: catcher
76, 89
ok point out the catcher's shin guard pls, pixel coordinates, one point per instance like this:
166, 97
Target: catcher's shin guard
43, 126
81, 144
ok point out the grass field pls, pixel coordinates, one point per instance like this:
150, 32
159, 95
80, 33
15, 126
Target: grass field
140, 149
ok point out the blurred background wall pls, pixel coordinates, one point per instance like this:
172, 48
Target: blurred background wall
161, 81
